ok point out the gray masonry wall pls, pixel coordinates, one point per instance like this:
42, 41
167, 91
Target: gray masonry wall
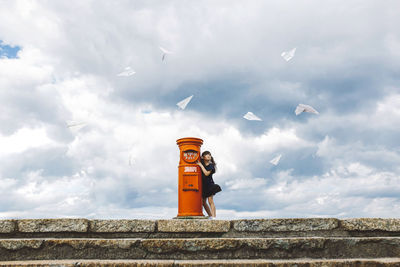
200, 239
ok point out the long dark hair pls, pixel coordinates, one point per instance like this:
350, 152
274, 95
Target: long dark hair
212, 159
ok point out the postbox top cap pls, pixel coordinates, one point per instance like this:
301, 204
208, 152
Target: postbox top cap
189, 140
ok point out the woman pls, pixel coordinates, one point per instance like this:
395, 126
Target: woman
208, 165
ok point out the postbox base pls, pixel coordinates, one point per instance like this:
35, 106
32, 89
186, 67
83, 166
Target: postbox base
191, 217
192, 213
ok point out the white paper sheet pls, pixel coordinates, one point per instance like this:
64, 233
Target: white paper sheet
182, 104
288, 55
75, 126
304, 108
251, 117
127, 72
276, 160
165, 52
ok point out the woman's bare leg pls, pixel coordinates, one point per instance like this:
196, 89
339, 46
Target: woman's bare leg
206, 207
212, 206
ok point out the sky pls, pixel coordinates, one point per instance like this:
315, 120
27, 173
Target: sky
59, 66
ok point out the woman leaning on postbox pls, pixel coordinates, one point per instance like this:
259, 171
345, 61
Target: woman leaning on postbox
208, 166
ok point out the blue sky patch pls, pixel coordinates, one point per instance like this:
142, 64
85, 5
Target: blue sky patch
8, 51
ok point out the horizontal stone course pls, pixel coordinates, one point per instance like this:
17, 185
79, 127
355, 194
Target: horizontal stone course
385, 262
199, 227
199, 248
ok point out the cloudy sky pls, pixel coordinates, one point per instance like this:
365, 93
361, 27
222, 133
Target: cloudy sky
60, 60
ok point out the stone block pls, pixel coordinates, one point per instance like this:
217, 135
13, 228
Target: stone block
285, 225
371, 224
7, 226
183, 225
162, 246
118, 226
17, 244
52, 225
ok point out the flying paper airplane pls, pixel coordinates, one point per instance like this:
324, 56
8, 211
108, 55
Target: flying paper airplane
251, 117
165, 52
132, 159
182, 104
75, 126
127, 72
288, 55
305, 108
276, 160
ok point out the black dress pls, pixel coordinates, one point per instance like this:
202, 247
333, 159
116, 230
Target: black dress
209, 187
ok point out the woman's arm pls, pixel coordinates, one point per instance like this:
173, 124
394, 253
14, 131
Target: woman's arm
206, 173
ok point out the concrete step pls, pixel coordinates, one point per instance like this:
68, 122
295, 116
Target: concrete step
200, 248
178, 228
389, 262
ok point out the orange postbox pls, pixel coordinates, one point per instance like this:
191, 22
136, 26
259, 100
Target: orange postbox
190, 183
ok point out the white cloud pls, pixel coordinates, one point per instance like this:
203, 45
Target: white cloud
24, 139
66, 71
245, 183
387, 112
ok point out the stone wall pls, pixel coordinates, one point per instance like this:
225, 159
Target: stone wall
323, 241
198, 228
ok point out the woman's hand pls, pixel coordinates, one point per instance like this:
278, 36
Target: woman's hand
203, 169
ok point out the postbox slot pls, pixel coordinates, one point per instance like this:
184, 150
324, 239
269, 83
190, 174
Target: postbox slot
190, 182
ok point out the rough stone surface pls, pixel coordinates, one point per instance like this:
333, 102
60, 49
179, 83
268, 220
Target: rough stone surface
59, 249
273, 248
220, 263
292, 263
7, 226
193, 225
115, 226
190, 245
15, 244
199, 248
91, 263
207, 242
71, 228
284, 225
371, 224
52, 225
93, 243
224, 244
